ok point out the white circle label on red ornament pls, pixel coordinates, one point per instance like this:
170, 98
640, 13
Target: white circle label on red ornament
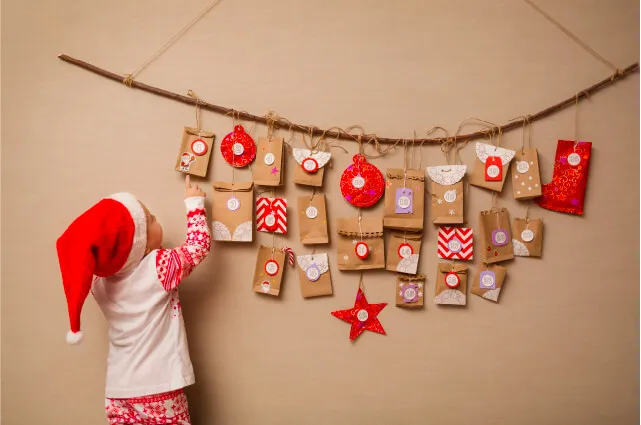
522, 167
452, 280
362, 315
404, 202
238, 149
358, 182
271, 268
405, 250
493, 171
450, 196
270, 158
233, 204
362, 250
199, 147
574, 159
265, 286
487, 280
527, 235
270, 220
311, 212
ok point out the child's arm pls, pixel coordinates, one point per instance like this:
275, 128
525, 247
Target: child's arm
173, 265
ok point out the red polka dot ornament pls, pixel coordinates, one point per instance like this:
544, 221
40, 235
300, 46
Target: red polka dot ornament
238, 147
362, 184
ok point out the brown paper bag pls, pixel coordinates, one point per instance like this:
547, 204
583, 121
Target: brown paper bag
350, 236
496, 236
483, 152
313, 272
267, 170
489, 282
233, 211
527, 237
311, 166
195, 150
403, 250
264, 282
312, 220
526, 177
410, 291
451, 284
404, 199
447, 194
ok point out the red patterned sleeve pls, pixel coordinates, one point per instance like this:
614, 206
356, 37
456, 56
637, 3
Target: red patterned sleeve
173, 265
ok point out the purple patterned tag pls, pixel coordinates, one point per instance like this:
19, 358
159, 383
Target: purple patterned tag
488, 280
499, 237
404, 201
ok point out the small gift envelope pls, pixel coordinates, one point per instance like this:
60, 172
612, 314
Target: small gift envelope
527, 237
360, 244
403, 249
271, 215
496, 234
312, 219
447, 193
490, 167
313, 271
489, 282
195, 150
451, 284
410, 291
233, 212
456, 243
311, 166
268, 168
526, 178
404, 199
269, 271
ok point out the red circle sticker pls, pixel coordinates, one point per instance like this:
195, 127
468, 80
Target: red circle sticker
272, 268
405, 250
199, 147
310, 165
452, 280
362, 250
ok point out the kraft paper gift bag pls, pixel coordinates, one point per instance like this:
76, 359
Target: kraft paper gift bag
491, 166
403, 250
455, 243
447, 194
496, 236
526, 177
267, 170
195, 150
312, 220
311, 166
410, 291
404, 199
360, 246
527, 237
451, 284
489, 282
313, 272
268, 274
271, 215
233, 211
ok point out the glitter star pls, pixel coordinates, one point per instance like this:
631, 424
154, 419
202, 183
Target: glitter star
452, 212
363, 316
388, 184
439, 201
275, 170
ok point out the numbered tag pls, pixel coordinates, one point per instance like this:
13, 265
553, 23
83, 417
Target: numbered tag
270, 220
493, 169
310, 165
313, 273
311, 212
238, 148
199, 147
362, 250
265, 286
574, 159
405, 250
272, 268
450, 196
410, 295
499, 237
404, 201
488, 280
454, 245
233, 203
358, 182
527, 235
362, 315
270, 158
522, 167
452, 280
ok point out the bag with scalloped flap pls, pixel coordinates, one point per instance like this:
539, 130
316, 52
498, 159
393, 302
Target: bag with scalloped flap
360, 244
403, 250
451, 284
311, 166
447, 194
313, 272
491, 166
404, 199
233, 211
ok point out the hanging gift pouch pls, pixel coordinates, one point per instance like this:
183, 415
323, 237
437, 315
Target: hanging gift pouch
451, 284
410, 291
269, 271
497, 236
360, 243
527, 237
311, 166
455, 243
312, 219
526, 177
271, 215
194, 153
268, 168
233, 211
403, 249
447, 193
404, 199
489, 282
491, 166
313, 272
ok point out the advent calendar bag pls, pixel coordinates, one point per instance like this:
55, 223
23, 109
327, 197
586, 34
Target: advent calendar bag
271, 215
451, 284
404, 199
268, 168
491, 166
489, 282
526, 178
268, 273
496, 236
233, 211
313, 272
360, 247
527, 237
195, 150
403, 249
311, 166
312, 220
447, 194
410, 291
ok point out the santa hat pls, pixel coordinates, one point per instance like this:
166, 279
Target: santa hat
107, 239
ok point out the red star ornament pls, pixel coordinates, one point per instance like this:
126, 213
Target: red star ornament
363, 316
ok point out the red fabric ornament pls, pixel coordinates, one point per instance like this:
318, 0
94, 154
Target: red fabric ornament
566, 192
362, 184
238, 147
363, 316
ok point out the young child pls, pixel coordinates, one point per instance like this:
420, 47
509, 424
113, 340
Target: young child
114, 250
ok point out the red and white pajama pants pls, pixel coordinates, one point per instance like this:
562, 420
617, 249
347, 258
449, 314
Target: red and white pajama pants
167, 409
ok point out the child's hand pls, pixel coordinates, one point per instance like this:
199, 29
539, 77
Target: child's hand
192, 190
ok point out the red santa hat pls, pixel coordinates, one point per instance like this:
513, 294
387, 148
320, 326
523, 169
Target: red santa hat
108, 239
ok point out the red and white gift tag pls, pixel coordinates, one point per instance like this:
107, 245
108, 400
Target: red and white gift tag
271, 215
456, 243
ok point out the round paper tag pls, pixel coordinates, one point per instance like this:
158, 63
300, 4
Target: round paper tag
409, 294
199, 147
362, 315
270, 220
574, 159
454, 245
265, 286
493, 171
405, 250
310, 165
362, 250
487, 280
238, 149
269, 159
233, 204
527, 235
450, 196
358, 182
522, 167
404, 202
311, 212
313, 273
452, 280
271, 268
499, 237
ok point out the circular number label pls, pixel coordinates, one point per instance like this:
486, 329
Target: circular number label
233, 204
487, 280
358, 182
313, 273
493, 171
362, 315
270, 220
199, 147
311, 212
499, 237
271, 268
238, 149
522, 167
405, 250
270, 158
454, 245
574, 159
404, 202
265, 286
409, 294
452, 280
362, 250
310, 165
527, 235
450, 196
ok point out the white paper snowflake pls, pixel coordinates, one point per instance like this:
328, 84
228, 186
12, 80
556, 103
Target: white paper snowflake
354, 241
420, 293
400, 284
420, 285
346, 257
529, 188
439, 201
531, 162
452, 212
530, 177
536, 185
400, 293
516, 177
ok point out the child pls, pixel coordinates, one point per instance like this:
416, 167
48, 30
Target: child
136, 286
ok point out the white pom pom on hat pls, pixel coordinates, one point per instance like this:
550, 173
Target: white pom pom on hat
74, 337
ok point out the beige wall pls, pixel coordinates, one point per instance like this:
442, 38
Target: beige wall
560, 348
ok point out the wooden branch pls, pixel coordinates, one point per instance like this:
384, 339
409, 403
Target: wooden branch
340, 134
